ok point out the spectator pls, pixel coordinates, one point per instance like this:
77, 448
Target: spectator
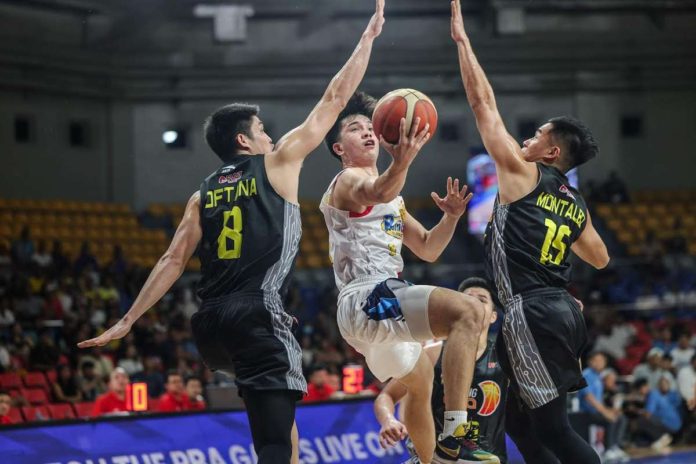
663, 340
7, 317
613, 396
107, 291
661, 405
103, 364
91, 385
85, 260
652, 371
194, 390
615, 189
318, 388
44, 355
118, 265
66, 389
152, 375
58, 258
5, 406
131, 362
592, 403
175, 399
643, 424
618, 334
113, 401
23, 248
682, 354
686, 379
41, 256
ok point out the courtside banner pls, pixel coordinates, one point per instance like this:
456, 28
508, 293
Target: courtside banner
342, 432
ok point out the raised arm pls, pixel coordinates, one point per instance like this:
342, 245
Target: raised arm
301, 141
428, 245
167, 270
499, 143
356, 189
590, 247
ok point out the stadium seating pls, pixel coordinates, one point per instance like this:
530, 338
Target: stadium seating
61, 411
35, 413
36, 380
35, 396
10, 380
84, 409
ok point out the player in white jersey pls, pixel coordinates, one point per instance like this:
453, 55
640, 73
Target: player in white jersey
386, 318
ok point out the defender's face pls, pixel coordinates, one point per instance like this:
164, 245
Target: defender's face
540, 146
260, 141
357, 141
484, 297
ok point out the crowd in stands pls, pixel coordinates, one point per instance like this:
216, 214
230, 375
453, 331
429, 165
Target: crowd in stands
641, 374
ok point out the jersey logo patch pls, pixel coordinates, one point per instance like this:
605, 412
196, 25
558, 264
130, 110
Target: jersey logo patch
491, 397
230, 178
567, 191
393, 226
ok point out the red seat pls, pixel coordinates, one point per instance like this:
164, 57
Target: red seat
36, 380
61, 411
35, 396
10, 380
51, 376
35, 413
16, 416
84, 409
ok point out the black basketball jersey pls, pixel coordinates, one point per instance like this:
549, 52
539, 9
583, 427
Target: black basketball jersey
528, 241
487, 398
250, 233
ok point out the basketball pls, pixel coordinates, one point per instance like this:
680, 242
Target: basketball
403, 103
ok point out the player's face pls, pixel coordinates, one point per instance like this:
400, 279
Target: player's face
540, 146
358, 141
484, 297
260, 141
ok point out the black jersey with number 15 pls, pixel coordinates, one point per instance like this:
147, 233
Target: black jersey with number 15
528, 241
250, 233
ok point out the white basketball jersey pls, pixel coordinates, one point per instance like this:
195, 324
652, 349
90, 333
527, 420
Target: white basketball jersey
364, 244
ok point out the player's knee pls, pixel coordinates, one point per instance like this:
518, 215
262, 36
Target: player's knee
275, 453
471, 314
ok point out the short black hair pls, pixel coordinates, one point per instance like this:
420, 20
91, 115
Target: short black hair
476, 282
190, 378
173, 372
359, 103
222, 127
638, 384
579, 145
4, 392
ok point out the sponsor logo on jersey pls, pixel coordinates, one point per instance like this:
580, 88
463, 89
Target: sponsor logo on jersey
227, 169
491, 397
393, 226
491, 365
567, 191
230, 178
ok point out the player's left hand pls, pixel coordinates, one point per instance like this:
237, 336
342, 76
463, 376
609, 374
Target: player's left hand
374, 28
454, 203
119, 330
391, 433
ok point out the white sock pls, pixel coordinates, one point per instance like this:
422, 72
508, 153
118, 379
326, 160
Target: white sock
452, 420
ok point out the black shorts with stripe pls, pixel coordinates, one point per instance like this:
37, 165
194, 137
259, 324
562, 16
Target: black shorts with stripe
250, 337
543, 338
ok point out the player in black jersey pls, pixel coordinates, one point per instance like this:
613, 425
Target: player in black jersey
247, 221
537, 218
487, 395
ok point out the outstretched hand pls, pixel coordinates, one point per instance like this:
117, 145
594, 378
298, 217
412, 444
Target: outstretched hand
457, 23
374, 28
455, 202
119, 330
391, 433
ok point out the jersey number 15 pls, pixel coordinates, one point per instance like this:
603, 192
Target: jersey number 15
554, 237
231, 232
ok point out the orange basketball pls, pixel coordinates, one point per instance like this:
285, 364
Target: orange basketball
402, 103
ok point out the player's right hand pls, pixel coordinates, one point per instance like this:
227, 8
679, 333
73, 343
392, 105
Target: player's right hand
119, 330
409, 144
391, 433
457, 23
374, 28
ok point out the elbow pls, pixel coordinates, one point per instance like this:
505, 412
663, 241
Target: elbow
429, 257
602, 261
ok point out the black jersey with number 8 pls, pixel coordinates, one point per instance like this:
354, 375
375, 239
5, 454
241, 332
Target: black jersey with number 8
250, 233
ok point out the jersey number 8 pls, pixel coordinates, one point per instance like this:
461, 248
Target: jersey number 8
233, 233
